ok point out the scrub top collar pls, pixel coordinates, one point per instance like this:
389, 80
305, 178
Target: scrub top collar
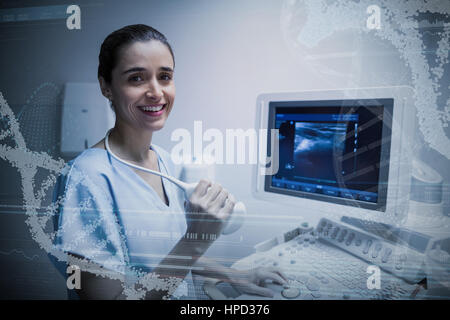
162, 168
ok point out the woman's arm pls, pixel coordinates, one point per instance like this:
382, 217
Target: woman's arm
172, 269
207, 213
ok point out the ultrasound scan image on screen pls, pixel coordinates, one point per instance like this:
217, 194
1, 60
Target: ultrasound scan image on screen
315, 146
334, 151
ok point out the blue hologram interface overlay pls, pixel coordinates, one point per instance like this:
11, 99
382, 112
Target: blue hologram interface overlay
335, 151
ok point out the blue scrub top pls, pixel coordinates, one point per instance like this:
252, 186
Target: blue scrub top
110, 215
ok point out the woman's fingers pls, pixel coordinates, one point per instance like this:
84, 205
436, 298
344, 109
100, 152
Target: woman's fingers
228, 205
201, 188
279, 272
227, 209
219, 201
231, 198
266, 274
212, 193
255, 289
211, 199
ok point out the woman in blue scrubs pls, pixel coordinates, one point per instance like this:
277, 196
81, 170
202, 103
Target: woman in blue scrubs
129, 223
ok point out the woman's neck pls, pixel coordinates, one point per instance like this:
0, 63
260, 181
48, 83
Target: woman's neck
131, 144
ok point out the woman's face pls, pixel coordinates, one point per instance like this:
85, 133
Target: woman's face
142, 85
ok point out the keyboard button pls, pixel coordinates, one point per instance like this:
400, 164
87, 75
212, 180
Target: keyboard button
335, 233
376, 250
313, 285
350, 238
374, 253
367, 247
291, 293
342, 235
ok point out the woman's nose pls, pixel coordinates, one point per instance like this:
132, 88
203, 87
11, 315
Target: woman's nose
154, 91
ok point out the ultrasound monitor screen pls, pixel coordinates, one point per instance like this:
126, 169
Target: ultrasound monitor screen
335, 151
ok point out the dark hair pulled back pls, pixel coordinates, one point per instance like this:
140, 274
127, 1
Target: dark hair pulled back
116, 40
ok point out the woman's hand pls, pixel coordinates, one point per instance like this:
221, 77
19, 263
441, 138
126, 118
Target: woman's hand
252, 281
208, 210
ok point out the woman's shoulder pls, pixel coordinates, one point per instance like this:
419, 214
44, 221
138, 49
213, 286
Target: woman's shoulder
88, 172
91, 161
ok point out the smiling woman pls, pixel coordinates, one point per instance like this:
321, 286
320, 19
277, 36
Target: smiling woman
130, 224
140, 81
136, 67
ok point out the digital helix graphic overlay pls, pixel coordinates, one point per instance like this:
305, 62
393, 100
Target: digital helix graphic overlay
397, 24
39, 218
306, 23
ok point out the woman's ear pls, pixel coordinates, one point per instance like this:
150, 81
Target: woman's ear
105, 88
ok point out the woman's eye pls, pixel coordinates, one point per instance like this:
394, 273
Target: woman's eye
136, 78
166, 77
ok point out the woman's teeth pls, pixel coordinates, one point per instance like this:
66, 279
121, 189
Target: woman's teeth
154, 109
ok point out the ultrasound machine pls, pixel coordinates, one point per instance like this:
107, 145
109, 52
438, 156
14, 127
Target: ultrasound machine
345, 157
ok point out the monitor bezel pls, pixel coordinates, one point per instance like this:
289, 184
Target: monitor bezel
387, 105
395, 209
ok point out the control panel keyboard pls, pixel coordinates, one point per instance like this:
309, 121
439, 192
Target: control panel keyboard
398, 260
319, 266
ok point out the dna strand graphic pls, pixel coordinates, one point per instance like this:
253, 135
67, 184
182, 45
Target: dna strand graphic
307, 23
14, 150
27, 163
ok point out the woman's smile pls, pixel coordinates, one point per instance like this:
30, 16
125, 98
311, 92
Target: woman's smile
154, 110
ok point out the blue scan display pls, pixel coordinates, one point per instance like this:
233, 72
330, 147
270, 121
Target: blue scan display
335, 151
